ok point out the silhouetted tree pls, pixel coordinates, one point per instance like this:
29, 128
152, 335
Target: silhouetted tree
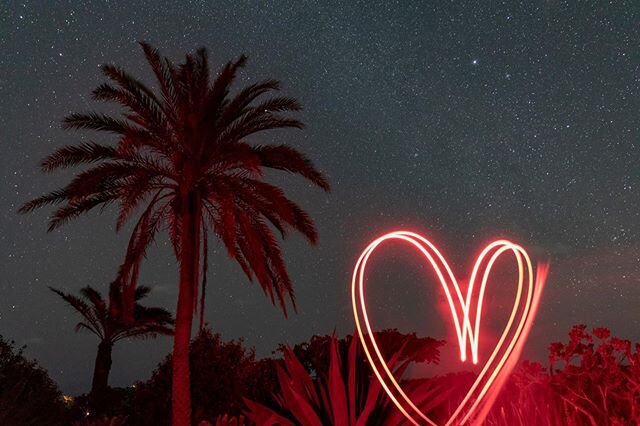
184, 155
315, 353
226, 372
28, 397
105, 319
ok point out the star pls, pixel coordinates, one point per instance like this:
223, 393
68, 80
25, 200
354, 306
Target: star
539, 144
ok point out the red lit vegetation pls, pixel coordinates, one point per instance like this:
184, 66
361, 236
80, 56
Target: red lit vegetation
592, 379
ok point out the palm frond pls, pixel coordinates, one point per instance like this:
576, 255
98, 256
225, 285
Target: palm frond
99, 304
205, 270
232, 157
100, 178
83, 325
279, 104
282, 157
147, 323
142, 291
72, 155
254, 121
53, 197
201, 78
276, 268
138, 98
93, 322
75, 208
187, 138
279, 204
163, 75
96, 121
214, 102
143, 235
240, 103
139, 188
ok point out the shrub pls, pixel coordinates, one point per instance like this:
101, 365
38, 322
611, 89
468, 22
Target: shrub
27, 395
222, 373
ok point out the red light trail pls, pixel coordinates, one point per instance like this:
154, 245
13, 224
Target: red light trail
507, 350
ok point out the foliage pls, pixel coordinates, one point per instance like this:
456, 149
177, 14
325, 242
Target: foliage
314, 354
116, 403
593, 379
597, 375
344, 393
28, 397
223, 373
184, 158
186, 150
105, 319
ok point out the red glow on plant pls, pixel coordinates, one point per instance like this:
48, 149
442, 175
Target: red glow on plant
503, 358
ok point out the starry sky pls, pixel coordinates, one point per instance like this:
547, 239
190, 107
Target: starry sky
461, 120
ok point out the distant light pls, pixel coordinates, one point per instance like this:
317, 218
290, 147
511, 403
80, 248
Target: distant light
475, 62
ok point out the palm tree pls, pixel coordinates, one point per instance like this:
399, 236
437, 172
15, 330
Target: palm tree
184, 156
105, 320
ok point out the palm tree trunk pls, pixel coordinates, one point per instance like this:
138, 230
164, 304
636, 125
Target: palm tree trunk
189, 254
101, 371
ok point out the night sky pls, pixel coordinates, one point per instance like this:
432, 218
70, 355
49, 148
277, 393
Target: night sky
460, 120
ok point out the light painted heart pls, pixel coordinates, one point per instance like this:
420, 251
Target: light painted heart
502, 360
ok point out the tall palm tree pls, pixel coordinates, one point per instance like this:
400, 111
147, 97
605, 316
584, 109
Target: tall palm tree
105, 319
184, 155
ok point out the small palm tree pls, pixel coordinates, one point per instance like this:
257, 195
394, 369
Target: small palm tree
105, 319
186, 157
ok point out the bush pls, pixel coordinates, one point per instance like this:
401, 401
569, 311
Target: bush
593, 379
314, 354
27, 395
222, 373
117, 402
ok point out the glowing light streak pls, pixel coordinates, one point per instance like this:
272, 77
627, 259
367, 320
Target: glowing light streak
492, 376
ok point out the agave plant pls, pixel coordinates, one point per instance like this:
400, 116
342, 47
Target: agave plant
342, 395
